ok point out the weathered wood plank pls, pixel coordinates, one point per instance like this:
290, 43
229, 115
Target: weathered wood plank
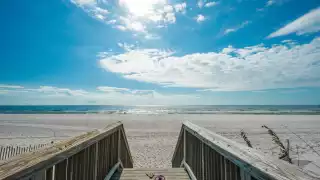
60, 170
141, 174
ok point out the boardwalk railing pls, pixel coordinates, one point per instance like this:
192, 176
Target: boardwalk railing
209, 156
90, 156
6, 152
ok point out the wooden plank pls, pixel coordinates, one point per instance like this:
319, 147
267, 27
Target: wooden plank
70, 169
141, 174
95, 173
60, 172
249, 159
32, 162
1, 153
49, 174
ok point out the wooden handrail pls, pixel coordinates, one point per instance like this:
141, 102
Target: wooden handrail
126, 143
189, 171
46, 158
113, 170
180, 138
251, 162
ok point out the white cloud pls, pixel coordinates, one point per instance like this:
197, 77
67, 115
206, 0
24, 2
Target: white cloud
134, 16
211, 4
59, 91
306, 24
230, 30
200, 18
112, 89
125, 46
275, 2
200, 3
6, 86
101, 11
130, 24
120, 27
48, 95
234, 29
99, 16
170, 17
92, 8
181, 7
249, 68
112, 21
109, 89
84, 2
270, 3
168, 14
146, 12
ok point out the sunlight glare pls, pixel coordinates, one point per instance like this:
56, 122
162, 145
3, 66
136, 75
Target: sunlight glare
141, 8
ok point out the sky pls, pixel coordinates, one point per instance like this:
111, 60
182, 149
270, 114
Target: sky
160, 52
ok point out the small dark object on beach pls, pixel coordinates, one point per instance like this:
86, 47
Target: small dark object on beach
160, 177
150, 175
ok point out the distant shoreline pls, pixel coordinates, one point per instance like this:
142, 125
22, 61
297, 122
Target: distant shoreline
217, 113
157, 110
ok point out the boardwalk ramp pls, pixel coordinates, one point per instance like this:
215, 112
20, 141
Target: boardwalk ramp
147, 174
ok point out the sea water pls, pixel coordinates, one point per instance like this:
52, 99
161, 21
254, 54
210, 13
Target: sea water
200, 109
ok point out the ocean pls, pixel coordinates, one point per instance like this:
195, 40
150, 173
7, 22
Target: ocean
200, 109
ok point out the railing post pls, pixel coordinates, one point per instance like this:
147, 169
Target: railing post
225, 168
244, 175
49, 174
96, 161
119, 144
184, 145
202, 160
67, 165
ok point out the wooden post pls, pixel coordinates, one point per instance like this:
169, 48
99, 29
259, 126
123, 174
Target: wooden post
202, 159
119, 145
244, 175
96, 161
1, 149
49, 173
10, 151
184, 145
67, 169
225, 168
6, 153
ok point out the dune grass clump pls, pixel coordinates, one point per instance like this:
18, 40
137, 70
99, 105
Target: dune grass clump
245, 138
284, 152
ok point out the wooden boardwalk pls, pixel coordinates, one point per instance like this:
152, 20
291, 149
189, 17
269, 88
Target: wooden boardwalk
147, 174
105, 155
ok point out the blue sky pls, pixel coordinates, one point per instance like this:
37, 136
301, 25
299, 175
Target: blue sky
160, 52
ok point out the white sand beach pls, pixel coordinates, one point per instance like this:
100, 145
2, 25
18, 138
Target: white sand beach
152, 138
